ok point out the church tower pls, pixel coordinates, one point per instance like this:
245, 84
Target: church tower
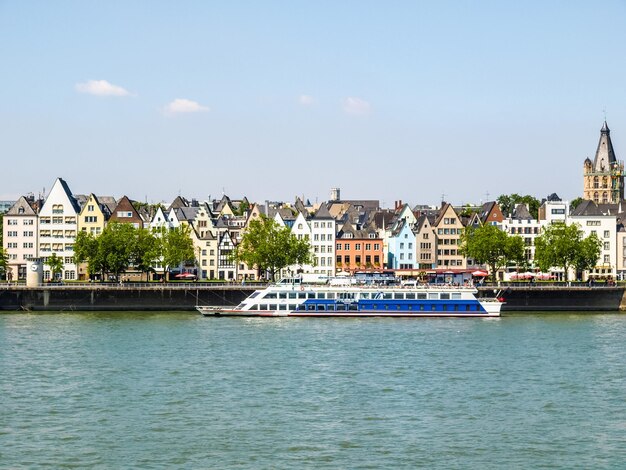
604, 177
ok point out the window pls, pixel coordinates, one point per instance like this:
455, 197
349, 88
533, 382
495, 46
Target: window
607, 245
607, 259
368, 246
606, 234
338, 246
377, 246
357, 246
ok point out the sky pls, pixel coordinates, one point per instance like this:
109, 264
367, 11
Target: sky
391, 100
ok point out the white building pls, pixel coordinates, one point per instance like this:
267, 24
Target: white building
20, 236
57, 228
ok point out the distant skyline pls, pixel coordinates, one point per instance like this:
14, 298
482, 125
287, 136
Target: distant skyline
272, 100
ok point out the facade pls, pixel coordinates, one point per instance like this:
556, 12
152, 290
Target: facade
604, 177
126, 213
521, 223
425, 243
358, 250
401, 246
323, 232
449, 229
58, 224
19, 235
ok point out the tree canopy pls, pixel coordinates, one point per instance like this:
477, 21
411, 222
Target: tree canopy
562, 245
270, 247
489, 245
121, 246
175, 246
55, 263
507, 203
4, 262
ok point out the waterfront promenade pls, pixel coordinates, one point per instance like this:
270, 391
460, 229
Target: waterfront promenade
177, 296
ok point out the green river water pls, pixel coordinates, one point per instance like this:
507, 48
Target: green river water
176, 390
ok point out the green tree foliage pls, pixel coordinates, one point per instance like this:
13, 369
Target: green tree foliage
55, 264
588, 253
563, 246
175, 246
507, 203
86, 249
489, 245
271, 248
1, 230
144, 250
575, 203
4, 262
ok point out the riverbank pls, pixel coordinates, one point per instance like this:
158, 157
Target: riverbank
185, 297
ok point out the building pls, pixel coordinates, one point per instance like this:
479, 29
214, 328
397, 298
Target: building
58, 224
19, 234
604, 177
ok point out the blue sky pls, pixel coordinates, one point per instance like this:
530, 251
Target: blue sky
387, 100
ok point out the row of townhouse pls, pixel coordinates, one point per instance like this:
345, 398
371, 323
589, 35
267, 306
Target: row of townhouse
345, 235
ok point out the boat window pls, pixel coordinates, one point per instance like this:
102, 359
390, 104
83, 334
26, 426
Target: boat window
256, 307
444, 307
310, 307
398, 295
302, 295
263, 307
321, 295
270, 295
387, 295
421, 306
410, 307
433, 307
291, 307
310, 295
330, 307
330, 295
398, 307
282, 307
273, 307
353, 307
340, 307
456, 307
433, 296
254, 294
321, 307
444, 296
421, 296
292, 295
410, 295
374, 307
467, 308
456, 296
282, 295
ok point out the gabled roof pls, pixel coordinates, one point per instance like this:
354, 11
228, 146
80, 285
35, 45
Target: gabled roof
590, 208
186, 213
178, 203
21, 207
69, 194
322, 213
521, 212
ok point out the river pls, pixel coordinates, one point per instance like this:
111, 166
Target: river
177, 390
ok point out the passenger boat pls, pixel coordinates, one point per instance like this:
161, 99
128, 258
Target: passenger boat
292, 298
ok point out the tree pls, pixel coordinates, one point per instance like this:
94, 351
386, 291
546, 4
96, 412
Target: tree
563, 246
588, 253
86, 250
55, 264
575, 202
517, 252
144, 250
115, 247
175, 246
489, 245
4, 262
507, 203
271, 248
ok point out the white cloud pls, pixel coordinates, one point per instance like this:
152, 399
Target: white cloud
306, 100
101, 88
356, 106
182, 105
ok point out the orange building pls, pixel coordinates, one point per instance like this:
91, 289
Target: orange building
358, 249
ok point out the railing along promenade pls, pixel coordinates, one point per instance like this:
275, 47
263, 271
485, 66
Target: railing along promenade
134, 285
